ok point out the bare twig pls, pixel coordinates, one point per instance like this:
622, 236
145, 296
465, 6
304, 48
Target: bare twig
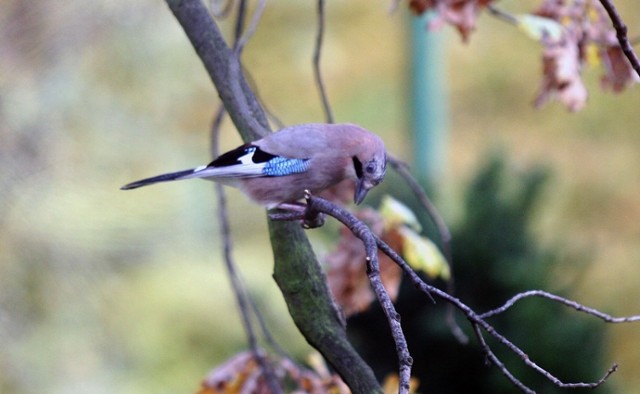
477, 321
273, 118
241, 16
251, 29
621, 34
242, 297
294, 259
620, 27
360, 230
493, 359
502, 15
223, 67
221, 8
579, 307
445, 238
241, 41
441, 226
316, 64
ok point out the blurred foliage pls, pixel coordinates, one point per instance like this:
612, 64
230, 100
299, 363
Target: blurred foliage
495, 256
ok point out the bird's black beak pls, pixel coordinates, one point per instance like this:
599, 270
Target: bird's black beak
361, 192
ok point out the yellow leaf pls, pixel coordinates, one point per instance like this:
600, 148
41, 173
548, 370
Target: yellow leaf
592, 55
537, 27
391, 384
395, 214
423, 255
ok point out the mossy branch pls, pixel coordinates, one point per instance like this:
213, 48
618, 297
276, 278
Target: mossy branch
296, 269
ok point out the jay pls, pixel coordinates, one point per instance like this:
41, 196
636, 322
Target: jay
279, 168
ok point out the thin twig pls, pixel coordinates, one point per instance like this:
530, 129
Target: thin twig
360, 230
441, 225
579, 307
621, 34
502, 15
493, 359
265, 330
273, 118
445, 238
242, 298
316, 64
478, 322
621, 29
251, 29
220, 11
239, 47
241, 16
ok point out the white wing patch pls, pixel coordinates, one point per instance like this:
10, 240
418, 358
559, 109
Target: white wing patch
245, 169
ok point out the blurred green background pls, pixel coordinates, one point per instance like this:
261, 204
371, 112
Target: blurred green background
110, 291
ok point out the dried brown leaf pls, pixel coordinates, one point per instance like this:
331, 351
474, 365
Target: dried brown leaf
618, 73
587, 25
242, 375
462, 14
346, 272
561, 75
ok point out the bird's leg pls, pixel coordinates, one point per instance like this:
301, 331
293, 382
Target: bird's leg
299, 211
312, 217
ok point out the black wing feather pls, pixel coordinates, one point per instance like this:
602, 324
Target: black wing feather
232, 157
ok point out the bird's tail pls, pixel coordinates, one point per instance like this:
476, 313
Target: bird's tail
173, 176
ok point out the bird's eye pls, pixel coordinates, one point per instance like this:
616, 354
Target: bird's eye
371, 168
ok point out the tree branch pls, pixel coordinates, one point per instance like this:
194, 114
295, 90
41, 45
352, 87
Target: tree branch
239, 290
477, 321
621, 34
445, 238
296, 268
577, 306
316, 64
360, 230
223, 67
303, 285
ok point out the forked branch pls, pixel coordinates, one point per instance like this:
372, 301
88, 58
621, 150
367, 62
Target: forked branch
479, 324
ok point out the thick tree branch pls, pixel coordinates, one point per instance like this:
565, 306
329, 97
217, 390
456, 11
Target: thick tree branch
303, 284
296, 268
223, 67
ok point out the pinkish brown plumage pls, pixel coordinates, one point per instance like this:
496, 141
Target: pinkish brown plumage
280, 167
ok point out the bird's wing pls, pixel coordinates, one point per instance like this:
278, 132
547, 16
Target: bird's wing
250, 161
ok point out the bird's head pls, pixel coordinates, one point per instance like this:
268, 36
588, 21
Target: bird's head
370, 167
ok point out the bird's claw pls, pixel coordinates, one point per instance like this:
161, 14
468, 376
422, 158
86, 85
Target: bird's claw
298, 211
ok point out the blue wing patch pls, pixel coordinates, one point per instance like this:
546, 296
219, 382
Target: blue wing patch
281, 166
249, 160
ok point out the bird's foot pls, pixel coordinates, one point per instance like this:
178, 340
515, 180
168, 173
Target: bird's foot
299, 211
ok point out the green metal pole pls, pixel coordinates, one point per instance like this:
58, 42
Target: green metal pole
429, 101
